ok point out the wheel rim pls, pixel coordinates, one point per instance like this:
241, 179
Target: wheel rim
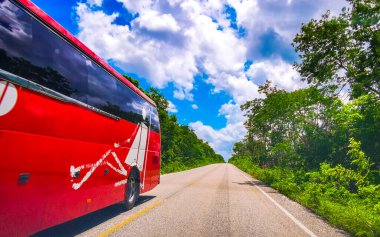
132, 192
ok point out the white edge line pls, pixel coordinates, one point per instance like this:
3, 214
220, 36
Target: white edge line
295, 220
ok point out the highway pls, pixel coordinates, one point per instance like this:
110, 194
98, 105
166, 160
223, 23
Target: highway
215, 200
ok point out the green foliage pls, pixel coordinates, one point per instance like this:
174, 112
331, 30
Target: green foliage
343, 50
134, 81
287, 125
181, 149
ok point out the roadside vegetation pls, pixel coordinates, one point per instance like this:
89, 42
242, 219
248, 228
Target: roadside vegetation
308, 143
181, 149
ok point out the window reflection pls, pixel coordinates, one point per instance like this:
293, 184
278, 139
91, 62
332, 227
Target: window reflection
155, 126
111, 95
30, 50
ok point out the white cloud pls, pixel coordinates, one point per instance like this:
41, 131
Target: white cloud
232, 113
307, 11
281, 73
194, 106
282, 17
222, 140
95, 2
137, 6
153, 21
219, 51
245, 11
172, 108
158, 61
239, 87
167, 47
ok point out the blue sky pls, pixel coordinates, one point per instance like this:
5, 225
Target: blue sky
207, 57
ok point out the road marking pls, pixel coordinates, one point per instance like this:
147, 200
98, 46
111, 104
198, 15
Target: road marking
142, 212
295, 220
130, 219
8, 97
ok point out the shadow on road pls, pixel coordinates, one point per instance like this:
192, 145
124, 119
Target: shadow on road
257, 183
86, 222
252, 183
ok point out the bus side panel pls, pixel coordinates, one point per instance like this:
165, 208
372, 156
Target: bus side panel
50, 139
66, 202
21, 205
152, 162
155, 164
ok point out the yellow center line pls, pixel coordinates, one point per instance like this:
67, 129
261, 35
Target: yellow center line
142, 212
130, 219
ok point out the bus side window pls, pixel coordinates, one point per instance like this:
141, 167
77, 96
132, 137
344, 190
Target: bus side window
107, 93
155, 123
32, 51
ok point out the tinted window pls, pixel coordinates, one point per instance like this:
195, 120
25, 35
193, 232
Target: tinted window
155, 126
111, 95
30, 50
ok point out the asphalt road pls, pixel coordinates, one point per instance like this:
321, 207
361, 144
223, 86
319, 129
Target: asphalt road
215, 200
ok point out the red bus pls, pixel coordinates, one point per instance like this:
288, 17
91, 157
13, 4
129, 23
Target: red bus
75, 135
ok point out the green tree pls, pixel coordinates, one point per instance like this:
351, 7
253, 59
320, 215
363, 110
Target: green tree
134, 81
344, 50
285, 125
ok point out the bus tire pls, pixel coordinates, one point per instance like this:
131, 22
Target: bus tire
132, 191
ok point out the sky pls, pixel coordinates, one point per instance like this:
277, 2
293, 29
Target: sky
207, 57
